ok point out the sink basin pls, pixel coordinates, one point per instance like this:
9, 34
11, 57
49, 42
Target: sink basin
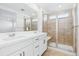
17, 36
12, 38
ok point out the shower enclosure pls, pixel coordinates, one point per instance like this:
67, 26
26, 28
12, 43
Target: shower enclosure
59, 27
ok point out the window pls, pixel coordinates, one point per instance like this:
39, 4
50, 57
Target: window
52, 17
63, 15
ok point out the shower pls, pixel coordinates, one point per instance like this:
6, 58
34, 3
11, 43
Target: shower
59, 26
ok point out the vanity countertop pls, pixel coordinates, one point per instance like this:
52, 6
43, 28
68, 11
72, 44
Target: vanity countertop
6, 40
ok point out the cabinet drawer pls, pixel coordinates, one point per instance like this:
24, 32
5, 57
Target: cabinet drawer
36, 40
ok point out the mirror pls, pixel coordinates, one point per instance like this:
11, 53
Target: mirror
7, 21
30, 24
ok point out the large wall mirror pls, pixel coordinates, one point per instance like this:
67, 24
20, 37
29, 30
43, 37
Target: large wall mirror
7, 21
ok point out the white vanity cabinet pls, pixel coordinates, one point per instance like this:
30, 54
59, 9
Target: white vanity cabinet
26, 51
33, 46
16, 48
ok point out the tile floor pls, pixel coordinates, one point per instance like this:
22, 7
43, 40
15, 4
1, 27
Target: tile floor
54, 52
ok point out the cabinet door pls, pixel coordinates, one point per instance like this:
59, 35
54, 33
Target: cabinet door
36, 49
43, 45
28, 51
17, 53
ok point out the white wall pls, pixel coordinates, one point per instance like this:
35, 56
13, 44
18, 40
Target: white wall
40, 21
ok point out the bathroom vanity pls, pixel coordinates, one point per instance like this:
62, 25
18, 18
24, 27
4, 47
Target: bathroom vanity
23, 44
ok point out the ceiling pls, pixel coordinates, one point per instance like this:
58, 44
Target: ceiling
54, 7
18, 6
47, 7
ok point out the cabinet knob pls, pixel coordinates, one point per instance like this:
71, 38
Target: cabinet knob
36, 39
37, 46
44, 42
20, 54
23, 53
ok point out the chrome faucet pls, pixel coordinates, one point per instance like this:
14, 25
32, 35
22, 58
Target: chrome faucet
12, 34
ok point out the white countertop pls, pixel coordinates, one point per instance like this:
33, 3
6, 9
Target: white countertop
5, 39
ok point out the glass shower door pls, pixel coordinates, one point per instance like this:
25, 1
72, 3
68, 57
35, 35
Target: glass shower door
65, 34
61, 31
49, 26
